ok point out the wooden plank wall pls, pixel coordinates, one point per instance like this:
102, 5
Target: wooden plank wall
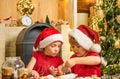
55, 9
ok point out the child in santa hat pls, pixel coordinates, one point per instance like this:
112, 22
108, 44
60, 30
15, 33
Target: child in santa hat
86, 60
46, 60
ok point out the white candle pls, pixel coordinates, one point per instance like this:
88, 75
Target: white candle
75, 13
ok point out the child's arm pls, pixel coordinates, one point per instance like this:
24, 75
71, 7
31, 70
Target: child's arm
89, 60
30, 66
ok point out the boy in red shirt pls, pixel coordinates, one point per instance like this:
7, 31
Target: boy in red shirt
86, 60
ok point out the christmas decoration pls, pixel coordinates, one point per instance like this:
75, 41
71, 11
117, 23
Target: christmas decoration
6, 21
118, 3
118, 19
100, 13
47, 20
59, 23
117, 44
99, 2
108, 27
25, 7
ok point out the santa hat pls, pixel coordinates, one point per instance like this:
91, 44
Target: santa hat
87, 38
47, 36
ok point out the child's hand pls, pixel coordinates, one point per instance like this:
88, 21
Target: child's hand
60, 70
70, 63
35, 74
54, 71
66, 69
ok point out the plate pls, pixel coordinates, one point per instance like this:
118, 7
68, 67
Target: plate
68, 76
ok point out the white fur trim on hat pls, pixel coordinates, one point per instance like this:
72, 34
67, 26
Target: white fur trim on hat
82, 39
46, 41
96, 48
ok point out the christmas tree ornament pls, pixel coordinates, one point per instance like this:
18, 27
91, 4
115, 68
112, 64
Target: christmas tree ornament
99, 2
100, 13
25, 7
117, 44
118, 19
103, 38
105, 26
118, 3
111, 30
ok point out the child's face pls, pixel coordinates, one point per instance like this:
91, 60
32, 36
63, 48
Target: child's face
78, 50
53, 48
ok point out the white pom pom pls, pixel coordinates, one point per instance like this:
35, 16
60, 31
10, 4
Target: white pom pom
104, 62
96, 48
35, 49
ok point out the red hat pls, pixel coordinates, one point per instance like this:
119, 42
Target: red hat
47, 36
87, 38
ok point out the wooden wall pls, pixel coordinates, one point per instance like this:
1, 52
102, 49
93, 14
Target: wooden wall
83, 6
55, 9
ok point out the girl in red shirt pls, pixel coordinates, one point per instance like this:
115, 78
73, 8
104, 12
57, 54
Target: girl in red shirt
46, 60
86, 60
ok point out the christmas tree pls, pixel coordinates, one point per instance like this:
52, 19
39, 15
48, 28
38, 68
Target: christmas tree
47, 20
106, 21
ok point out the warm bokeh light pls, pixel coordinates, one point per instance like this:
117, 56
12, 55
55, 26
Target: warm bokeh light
84, 5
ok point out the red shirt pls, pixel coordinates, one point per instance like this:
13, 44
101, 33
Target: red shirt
87, 70
43, 63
